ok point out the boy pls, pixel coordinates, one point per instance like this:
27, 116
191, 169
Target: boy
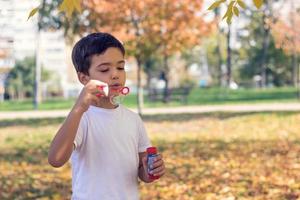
106, 143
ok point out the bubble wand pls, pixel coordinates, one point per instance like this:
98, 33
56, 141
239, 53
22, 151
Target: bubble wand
114, 99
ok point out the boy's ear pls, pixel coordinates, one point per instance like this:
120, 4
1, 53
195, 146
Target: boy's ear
83, 78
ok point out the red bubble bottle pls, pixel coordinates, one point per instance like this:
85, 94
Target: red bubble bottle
151, 155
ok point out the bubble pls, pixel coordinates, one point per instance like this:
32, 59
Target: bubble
118, 99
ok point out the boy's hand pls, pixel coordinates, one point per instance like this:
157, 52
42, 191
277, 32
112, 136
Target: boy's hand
90, 94
158, 168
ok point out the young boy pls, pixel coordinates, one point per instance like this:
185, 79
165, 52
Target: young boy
106, 142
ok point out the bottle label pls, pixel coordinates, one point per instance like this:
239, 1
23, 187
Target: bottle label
149, 163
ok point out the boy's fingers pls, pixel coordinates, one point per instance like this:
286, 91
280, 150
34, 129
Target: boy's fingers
94, 85
158, 163
95, 99
158, 157
96, 82
99, 94
161, 173
158, 169
94, 91
97, 90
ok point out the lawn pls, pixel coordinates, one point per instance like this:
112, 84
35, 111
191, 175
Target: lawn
198, 96
208, 156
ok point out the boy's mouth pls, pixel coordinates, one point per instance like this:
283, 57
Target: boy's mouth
115, 86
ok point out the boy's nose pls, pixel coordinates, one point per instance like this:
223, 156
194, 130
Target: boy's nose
115, 75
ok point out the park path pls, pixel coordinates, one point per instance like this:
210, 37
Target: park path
167, 110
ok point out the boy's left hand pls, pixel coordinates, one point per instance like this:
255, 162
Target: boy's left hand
158, 168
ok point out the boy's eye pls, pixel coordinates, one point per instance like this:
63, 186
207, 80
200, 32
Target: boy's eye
104, 70
120, 68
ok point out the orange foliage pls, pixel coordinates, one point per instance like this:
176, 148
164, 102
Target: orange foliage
166, 25
287, 33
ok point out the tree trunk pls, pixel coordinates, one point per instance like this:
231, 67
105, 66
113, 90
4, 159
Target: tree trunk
140, 96
148, 70
298, 77
294, 69
166, 76
228, 77
37, 75
219, 52
266, 42
37, 80
220, 73
148, 79
264, 58
294, 47
20, 93
139, 87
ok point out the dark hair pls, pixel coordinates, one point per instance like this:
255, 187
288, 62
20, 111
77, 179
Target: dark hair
92, 44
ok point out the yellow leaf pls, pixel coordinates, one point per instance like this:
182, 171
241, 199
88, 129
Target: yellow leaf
236, 11
69, 6
229, 18
229, 10
242, 4
63, 6
77, 5
258, 3
32, 13
215, 5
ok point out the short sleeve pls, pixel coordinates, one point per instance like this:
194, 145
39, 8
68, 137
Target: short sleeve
144, 141
81, 131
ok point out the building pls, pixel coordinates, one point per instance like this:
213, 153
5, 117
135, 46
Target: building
19, 38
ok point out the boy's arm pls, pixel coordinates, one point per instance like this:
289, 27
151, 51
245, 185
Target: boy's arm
62, 145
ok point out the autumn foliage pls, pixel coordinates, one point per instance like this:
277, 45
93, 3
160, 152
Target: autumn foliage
208, 156
151, 26
286, 33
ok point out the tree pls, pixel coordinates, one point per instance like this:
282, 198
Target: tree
289, 39
228, 58
20, 80
218, 47
267, 16
146, 27
277, 65
172, 25
71, 6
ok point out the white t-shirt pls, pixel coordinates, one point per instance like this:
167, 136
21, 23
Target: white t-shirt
105, 159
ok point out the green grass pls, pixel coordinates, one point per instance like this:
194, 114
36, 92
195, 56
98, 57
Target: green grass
198, 96
28, 105
221, 95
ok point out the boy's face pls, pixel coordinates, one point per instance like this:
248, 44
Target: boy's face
108, 67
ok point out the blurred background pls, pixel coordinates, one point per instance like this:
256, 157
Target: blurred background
233, 89
178, 47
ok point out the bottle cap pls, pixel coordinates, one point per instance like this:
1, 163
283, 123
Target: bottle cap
152, 150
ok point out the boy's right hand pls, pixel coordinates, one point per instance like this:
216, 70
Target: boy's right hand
90, 94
